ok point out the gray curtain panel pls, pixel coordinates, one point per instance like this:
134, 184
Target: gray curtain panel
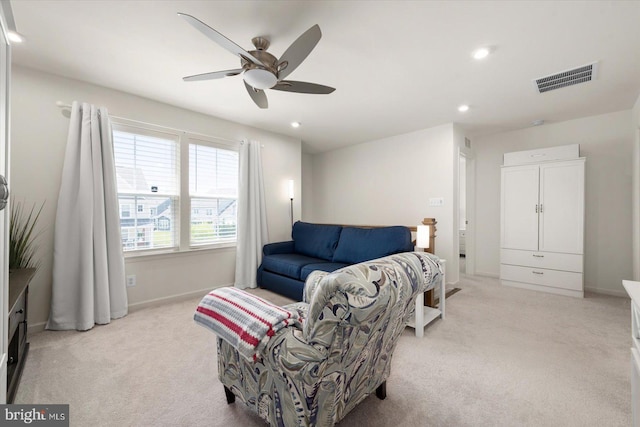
252, 216
88, 265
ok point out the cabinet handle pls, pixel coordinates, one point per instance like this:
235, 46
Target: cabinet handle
537, 272
536, 208
20, 311
540, 207
538, 256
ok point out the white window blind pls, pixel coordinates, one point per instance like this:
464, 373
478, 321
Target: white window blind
213, 191
148, 170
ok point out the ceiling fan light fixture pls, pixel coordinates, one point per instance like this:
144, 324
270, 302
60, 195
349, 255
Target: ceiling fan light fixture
260, 69
260, 79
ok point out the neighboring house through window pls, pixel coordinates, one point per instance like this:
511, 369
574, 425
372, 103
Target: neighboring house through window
146, 159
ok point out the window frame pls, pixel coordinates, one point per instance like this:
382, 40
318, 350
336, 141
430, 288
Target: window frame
183, 215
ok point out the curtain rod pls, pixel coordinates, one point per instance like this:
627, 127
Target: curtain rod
64, 106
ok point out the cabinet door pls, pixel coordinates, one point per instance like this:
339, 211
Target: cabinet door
519, 217
562, 207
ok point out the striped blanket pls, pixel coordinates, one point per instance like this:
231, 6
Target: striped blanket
242, 319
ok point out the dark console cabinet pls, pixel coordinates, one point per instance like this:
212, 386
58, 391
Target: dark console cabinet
17, 323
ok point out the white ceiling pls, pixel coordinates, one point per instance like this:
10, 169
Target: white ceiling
396, 66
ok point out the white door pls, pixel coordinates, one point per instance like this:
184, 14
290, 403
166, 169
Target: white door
562, 207
5, 73
519, 216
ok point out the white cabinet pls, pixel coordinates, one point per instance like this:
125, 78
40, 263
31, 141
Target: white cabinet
542, 225
562, 207
520, 207
633, 289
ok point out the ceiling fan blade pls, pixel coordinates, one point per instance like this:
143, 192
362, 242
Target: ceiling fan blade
220, 39
213, 75
258, 96
302, 87
298, 51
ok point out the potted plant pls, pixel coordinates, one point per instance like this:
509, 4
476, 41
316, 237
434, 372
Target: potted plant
22, 236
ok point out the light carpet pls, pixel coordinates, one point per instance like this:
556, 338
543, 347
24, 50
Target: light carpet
502, 357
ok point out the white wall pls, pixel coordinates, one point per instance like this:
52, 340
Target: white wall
607, 143
39, 134
307, 186
389, 182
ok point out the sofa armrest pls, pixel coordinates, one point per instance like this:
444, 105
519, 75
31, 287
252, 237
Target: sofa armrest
278, 248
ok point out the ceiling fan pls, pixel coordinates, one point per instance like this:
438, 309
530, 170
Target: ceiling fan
260, 69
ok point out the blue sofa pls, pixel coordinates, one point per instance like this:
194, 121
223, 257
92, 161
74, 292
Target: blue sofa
286, 265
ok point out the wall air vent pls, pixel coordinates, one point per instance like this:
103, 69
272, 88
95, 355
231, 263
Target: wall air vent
583, 74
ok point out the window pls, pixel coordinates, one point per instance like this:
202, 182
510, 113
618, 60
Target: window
150, 166
147, 171
213, 191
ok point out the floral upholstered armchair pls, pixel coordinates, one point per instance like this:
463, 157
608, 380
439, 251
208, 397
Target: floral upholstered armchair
352, 318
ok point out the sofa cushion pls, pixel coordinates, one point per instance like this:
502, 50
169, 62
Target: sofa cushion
278, 248
287, 264
364, 244
315, 240
323, 266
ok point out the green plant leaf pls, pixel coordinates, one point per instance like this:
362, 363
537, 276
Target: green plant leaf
23, 235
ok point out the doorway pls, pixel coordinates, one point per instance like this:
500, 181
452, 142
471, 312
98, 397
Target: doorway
466, 212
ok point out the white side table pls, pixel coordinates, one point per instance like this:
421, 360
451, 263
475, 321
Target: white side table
425, 315
633, 289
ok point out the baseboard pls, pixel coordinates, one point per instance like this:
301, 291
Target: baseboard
170, 299
35, 328
39, 327
621, 293
487, 274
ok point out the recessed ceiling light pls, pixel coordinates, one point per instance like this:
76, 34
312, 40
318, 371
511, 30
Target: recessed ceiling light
480, 53
463, 108
295, 124
15, 37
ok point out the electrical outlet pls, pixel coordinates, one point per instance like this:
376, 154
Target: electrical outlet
131, 280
